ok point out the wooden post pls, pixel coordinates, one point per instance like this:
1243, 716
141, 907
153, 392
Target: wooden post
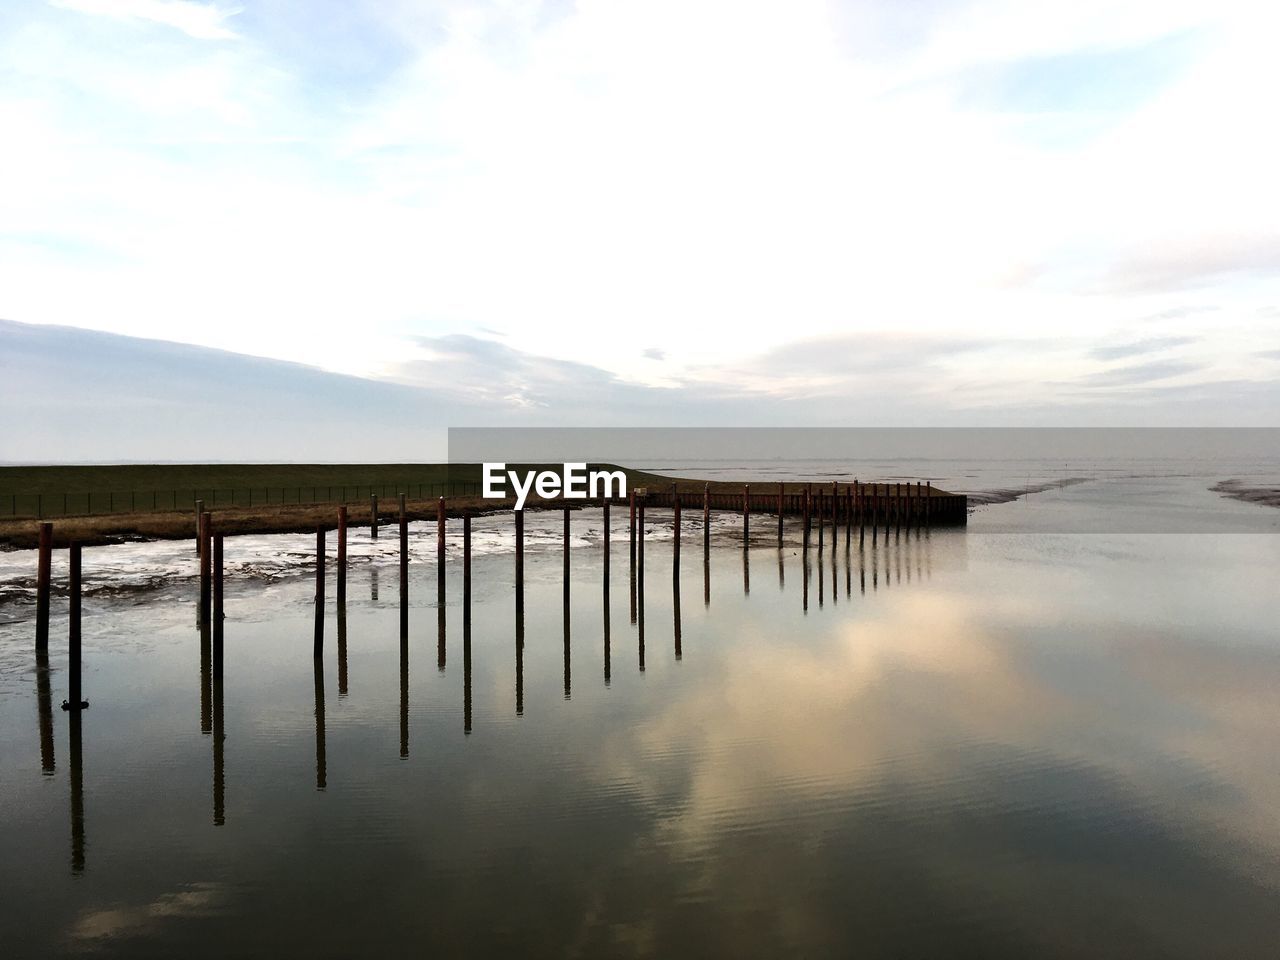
199, 514
706, 518
519, 563
440, 531
206, 569
217, 589
43, 563
928, 503
675, 523
342, 556
566, 558
806, 501
640, 585
633, 526
835, 519
404, 570
466, 568
746, 514
781, 487
817, 515
319, 632
606, 511
74, 699
373, 516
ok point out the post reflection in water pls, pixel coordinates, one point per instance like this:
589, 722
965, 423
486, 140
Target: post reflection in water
675, 613
77, 792
782, 570
219, 734
519, 656
321, 772
404, 696
206, 679
746, 570
804, 579
835, 582
373, 582
342, 648
821, 567
44, 705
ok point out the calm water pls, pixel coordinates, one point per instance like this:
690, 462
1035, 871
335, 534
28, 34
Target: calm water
982, 743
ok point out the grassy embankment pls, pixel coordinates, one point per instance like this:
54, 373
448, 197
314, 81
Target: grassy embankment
255, 498
106, 503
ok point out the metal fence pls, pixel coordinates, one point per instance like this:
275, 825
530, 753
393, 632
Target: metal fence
39, 506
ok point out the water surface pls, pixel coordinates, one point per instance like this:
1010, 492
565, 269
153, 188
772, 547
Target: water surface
949, 743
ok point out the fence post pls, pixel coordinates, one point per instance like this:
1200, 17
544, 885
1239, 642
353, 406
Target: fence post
74, 700
342, 555
43, 564
373, 516
319, 636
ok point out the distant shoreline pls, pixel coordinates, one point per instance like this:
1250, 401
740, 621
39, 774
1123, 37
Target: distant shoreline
1238, 490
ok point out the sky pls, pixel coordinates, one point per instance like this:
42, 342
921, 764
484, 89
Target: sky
976, 211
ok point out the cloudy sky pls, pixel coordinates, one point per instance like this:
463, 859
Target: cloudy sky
942, 211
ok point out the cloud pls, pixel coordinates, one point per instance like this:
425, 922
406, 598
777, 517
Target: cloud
655, 353
1118, 351
202, 21
1194, 261
1140, 373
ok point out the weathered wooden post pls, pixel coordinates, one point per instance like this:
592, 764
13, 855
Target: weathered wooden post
373, 516
205, 527
342, 556
706, 518
566, 561
640, 581
781, 487
318, 648
632, 526
440, 532
404, 569
217, 591
806, 500
605, 521
44, 563
928, 503
466, 567
519, 518
199, 514
835, 519
675, 523
74, 701
818, 517
746, 514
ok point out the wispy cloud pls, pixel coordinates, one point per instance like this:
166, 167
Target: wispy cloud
1133, 348
203, 21
1140, 373
1192, 262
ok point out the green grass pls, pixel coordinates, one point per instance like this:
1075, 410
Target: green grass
100, 489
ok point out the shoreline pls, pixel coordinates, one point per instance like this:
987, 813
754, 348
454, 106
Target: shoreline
1237, 490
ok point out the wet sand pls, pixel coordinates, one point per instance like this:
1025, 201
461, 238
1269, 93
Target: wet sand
1238, 490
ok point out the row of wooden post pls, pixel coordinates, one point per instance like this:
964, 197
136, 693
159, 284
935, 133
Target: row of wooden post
872, 506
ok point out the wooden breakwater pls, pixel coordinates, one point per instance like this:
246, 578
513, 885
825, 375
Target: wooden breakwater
855, 503
895, 515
